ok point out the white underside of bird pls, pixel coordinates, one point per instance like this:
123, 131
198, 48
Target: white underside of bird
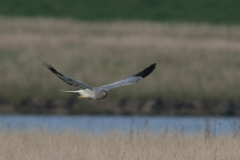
83, 93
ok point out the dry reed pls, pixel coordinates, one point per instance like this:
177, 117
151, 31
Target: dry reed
46, 145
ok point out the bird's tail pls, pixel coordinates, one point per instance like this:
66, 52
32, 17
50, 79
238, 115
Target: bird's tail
69, 91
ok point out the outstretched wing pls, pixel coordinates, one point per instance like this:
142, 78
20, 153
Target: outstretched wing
68, 80
130, 80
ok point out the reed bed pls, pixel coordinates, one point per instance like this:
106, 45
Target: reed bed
194, 61
48, 145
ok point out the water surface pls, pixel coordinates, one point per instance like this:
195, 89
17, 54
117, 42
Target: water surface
101, 124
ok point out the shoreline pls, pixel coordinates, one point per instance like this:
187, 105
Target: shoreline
124, 106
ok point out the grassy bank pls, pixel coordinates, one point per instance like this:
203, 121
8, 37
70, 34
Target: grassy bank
44, 145
193, 61
211, 11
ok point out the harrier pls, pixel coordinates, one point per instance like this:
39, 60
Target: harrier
88, 92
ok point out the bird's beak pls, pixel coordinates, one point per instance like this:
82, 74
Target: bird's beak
80, 96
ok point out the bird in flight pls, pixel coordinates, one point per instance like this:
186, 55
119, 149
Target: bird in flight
88, 92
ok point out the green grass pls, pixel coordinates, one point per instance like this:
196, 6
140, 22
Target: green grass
193, 61
211, 11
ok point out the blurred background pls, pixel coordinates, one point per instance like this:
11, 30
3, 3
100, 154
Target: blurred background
194, 43
187, 108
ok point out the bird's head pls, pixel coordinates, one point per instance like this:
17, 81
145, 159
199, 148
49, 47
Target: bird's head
103, 94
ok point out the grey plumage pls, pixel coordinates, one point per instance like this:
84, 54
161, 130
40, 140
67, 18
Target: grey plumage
68, 80
89, 92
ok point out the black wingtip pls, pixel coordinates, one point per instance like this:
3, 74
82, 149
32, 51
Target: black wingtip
146, 71
48, 66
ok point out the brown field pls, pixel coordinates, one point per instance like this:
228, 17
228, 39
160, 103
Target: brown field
195, 61
71, 145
